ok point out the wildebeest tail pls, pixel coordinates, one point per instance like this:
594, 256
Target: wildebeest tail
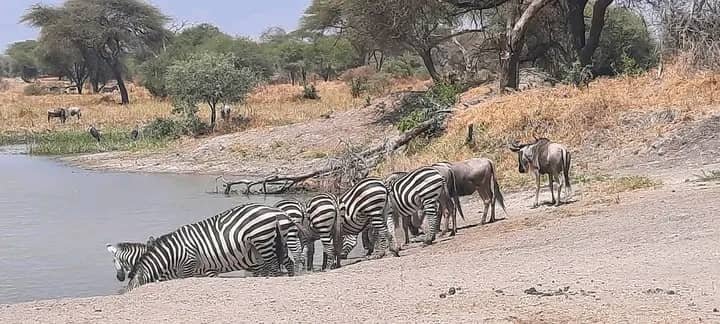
566, 172
452, 192
496, 189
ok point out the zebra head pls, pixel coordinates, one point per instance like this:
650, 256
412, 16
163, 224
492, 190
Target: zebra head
119, 271
165, 258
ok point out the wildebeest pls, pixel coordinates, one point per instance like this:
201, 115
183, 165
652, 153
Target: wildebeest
94, 133
225, 111
60, 113
74, 111
545, 157
470, 176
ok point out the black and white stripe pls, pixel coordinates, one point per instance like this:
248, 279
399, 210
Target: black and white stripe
294, 230
322, 216
415, 191
246, 237
125, 255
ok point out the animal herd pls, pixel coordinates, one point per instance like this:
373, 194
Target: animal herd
265, 239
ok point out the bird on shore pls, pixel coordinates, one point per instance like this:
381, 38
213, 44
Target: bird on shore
94, 133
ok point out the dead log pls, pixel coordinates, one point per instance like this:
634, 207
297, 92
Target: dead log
274, 184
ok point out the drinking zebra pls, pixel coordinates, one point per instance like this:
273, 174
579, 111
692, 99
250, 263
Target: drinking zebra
247, 237
420, 189
294, 230
348, 216
125, 255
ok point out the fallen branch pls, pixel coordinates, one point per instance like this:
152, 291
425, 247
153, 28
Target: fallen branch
360, 163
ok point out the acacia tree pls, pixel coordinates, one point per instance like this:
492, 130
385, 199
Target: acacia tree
210, 78
110, 29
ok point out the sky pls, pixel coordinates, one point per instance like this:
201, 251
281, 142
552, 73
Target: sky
235, 17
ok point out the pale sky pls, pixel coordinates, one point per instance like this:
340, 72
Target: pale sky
235, 17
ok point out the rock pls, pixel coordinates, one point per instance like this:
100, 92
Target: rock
443, 295
499, 291
671, 292
451, 291
715, 310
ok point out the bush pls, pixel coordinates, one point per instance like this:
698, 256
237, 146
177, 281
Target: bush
163, 128
34, 90
310, 92
625, 44
404, 66
417, 109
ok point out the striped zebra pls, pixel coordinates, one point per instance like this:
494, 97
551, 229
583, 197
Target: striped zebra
125, 255
419, 190
295, 230
322, 216
246, 237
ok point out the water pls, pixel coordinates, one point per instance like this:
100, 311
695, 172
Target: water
55, 221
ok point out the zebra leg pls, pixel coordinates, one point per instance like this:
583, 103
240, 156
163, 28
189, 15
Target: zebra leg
329, 255
384, 237
348, 244
430, 207
368, 240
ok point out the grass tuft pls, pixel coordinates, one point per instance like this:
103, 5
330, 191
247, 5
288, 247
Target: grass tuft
76, 142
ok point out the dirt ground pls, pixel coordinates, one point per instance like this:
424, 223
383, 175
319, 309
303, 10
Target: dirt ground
641, 256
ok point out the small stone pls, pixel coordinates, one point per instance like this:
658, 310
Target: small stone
671, 292
499, 291
451, 291
715, 310
442, 295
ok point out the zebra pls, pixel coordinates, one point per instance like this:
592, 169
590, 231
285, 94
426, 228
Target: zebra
125, 255
295, 229
246, 237
322, 217
420, 189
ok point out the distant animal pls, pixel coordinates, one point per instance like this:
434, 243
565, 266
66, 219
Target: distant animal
225, 112
60, 113
470, 176
74, 111
94, 133
135, 133
246, 237
545, 157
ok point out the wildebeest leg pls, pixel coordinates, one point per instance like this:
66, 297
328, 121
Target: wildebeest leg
537, 189
560, 187
493, 200
552, 192
486, 206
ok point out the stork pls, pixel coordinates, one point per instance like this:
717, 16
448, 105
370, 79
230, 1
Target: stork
94, 133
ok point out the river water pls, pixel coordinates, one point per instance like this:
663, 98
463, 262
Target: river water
55, 221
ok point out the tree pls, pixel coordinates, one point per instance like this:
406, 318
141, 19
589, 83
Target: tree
585, 46
392, 25
210, 78
110, 28
24, 56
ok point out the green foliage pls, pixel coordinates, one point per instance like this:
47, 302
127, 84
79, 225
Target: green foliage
417, 109
310, 92
80, 141
209, 78
358, 86
625, 44
163, 128
23, 54
34, 89
578, 75
404, 66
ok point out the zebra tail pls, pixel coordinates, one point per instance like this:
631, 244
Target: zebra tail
280, 246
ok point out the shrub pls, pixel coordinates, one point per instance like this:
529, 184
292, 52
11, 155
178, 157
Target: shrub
4, 85
404, 66
34, 90
310, 92
625, 37
163, 128
417, 109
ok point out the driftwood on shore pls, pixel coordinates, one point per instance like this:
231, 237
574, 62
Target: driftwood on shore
352, 165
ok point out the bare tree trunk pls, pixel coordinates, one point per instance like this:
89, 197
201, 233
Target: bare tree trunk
426, 56
117, 74
514, 41
596, 27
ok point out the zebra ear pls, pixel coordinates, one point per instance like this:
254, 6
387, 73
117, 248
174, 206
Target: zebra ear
111, 248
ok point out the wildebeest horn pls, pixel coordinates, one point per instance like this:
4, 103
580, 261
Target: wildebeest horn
514, 146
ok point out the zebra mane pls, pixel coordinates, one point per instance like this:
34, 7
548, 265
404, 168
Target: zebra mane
126, 245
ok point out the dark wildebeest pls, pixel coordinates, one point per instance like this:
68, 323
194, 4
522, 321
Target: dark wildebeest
545, 157
225, 112
57, 113
470, 176
74, 111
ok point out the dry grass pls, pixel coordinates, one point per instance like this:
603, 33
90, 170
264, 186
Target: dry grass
613, 112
